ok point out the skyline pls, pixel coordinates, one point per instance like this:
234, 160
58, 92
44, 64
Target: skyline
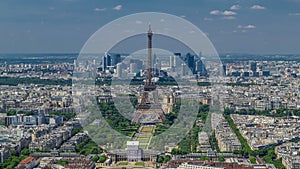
63, 26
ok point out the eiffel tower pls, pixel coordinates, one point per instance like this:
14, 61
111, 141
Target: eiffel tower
149, 111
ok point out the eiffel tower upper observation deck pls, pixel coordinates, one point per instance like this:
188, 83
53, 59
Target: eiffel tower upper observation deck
149, 111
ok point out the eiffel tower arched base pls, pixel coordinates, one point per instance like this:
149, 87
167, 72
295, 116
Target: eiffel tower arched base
149, 116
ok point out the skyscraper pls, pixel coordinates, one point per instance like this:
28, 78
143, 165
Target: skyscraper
119, 70
190, 60
224, 70
253, 66
200, 67
106, 61
172, 62
177, 58
139, 63
133, 68
115, 59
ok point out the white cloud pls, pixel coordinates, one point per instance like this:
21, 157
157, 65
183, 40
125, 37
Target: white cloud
229, 17
99, 9
182, 16
246, 27
235, 7
257, 7
162, 20
228, 13
215, 12
138, 22
117, 8
294, 14
250, 27
225, 13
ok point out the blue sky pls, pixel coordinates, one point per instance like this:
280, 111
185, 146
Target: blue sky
240, 26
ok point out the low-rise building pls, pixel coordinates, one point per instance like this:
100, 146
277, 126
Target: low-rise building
290, 154
27, 163
203, 140
227, 139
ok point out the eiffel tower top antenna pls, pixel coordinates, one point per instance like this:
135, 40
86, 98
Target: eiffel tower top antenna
149, 30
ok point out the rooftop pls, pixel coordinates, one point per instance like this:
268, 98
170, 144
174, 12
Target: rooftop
27, 160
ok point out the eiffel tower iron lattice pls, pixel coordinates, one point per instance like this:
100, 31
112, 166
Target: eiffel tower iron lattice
149, 112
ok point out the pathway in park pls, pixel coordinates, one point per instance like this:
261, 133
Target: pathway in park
144, 136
